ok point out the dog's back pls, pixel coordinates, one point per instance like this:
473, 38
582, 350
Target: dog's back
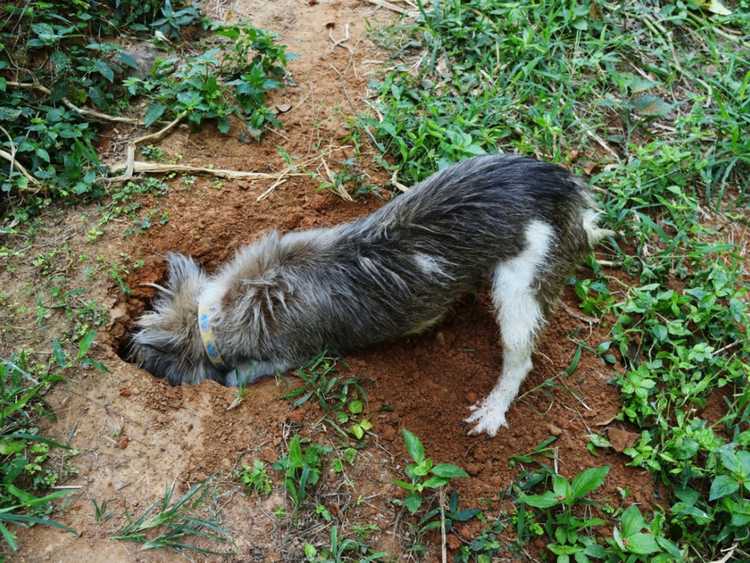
397, 270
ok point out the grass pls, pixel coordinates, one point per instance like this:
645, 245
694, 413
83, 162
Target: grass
25, 497
650, 101
172, 523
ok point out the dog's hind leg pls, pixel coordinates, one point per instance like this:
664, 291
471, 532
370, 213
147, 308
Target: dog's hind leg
520, 314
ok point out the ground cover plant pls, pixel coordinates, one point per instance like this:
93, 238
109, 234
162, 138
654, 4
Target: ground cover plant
651, 101
67, 70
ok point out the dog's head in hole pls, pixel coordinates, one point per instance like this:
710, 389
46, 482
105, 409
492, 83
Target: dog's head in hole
167, 341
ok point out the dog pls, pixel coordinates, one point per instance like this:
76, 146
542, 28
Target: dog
523, 223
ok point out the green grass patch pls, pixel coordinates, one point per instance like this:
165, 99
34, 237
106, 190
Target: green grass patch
26, 497
176, 523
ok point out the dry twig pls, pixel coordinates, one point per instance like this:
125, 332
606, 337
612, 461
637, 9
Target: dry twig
15, 164
87, 112
129, 165
444, 550
340, 42
392, 7
157, 168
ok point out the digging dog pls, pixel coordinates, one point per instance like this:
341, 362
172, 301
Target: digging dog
522, 223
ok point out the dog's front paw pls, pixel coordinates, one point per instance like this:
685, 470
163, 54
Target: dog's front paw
488, 418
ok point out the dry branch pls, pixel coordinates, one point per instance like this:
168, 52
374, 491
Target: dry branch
157, 168
392, 7
129, 165
15, 164
82, 111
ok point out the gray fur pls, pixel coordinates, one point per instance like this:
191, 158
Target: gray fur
285, 298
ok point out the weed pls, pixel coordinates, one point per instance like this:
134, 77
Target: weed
339, 550
301, 468
169, 523
423, 474
23, 450
153, 153
348, 180
562, 513
342, 399
101, 511
256, 479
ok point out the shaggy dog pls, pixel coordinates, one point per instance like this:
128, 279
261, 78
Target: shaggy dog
523, 223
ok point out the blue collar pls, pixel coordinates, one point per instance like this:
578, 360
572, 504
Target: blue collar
205, 312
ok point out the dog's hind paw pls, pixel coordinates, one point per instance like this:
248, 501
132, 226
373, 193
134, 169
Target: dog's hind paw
488, 418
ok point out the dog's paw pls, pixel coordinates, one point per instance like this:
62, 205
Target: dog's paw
488, 418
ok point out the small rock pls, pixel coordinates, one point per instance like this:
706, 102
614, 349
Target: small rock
621, 439
283, 108
554, 429
117, 313
388, 433
473, 469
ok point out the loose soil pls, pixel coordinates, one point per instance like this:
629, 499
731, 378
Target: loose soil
137, 434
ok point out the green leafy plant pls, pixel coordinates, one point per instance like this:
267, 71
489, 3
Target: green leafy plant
212, 86
340, 550
423, 474
60, 75
560, 513
256, 479
301, 468
24, 500
342, 399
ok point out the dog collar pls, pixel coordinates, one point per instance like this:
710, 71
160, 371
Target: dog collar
207, 334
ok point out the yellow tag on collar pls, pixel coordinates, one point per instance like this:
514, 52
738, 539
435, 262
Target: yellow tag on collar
207, 334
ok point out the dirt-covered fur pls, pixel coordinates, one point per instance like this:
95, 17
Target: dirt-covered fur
523, 223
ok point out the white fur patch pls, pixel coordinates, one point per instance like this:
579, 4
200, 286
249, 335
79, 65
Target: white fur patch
428, 264
519, 316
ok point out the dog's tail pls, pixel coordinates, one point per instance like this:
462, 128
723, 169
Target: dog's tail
590, 214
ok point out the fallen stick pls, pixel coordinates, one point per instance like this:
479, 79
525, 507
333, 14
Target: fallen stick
132, 145
157, 168
392, 7
82, 111
340, 42
444, 542
17, 165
